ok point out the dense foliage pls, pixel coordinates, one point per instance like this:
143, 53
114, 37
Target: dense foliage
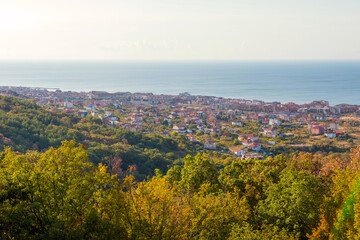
59, 194
26, 126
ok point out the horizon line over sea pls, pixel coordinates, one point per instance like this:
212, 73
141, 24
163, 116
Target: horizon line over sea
283, 81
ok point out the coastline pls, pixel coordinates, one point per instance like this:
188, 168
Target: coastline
122, 95
299, 82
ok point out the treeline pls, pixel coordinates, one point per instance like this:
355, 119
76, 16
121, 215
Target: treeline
59, 194
26, 126
318, 148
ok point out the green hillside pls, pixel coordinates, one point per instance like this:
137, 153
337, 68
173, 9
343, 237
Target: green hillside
26, 126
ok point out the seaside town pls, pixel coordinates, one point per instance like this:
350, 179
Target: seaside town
242, 128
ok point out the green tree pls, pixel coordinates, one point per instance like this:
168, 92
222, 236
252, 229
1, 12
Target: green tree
52, 195
198, 170
293, 203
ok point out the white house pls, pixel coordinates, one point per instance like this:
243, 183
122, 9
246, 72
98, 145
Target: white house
253, 137
68, 105
330, 135
270, 132
255, 146
238, 151
237, 123
246, 142
274, 122
179, 129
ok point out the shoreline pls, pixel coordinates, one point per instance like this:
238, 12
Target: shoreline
115, 94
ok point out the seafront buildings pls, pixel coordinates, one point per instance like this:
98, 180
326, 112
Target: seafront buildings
245, 128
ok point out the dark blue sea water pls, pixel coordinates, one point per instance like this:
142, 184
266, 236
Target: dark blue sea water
299, 82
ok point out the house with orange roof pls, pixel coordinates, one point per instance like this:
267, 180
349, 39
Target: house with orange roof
255, 146
238, 151
246, 142
253, 137
270, 132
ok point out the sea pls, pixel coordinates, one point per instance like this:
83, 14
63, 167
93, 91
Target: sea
295, 81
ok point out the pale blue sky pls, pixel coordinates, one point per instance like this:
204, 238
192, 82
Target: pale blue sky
179, 29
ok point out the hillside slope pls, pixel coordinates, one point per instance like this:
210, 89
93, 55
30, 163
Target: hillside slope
26, 126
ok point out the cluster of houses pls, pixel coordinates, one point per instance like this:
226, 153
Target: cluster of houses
188, 114
248, 142
56, 96
242, 153
322, 129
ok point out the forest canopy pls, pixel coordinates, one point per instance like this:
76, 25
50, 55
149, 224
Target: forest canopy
60, 194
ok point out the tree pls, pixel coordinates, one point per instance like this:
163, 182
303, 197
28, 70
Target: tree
51, 195
198, 170
293, 203
158, 210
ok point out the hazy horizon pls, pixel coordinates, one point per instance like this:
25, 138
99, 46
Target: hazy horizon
179, 61
178, 30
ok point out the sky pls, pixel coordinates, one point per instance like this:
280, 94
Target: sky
179, 30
